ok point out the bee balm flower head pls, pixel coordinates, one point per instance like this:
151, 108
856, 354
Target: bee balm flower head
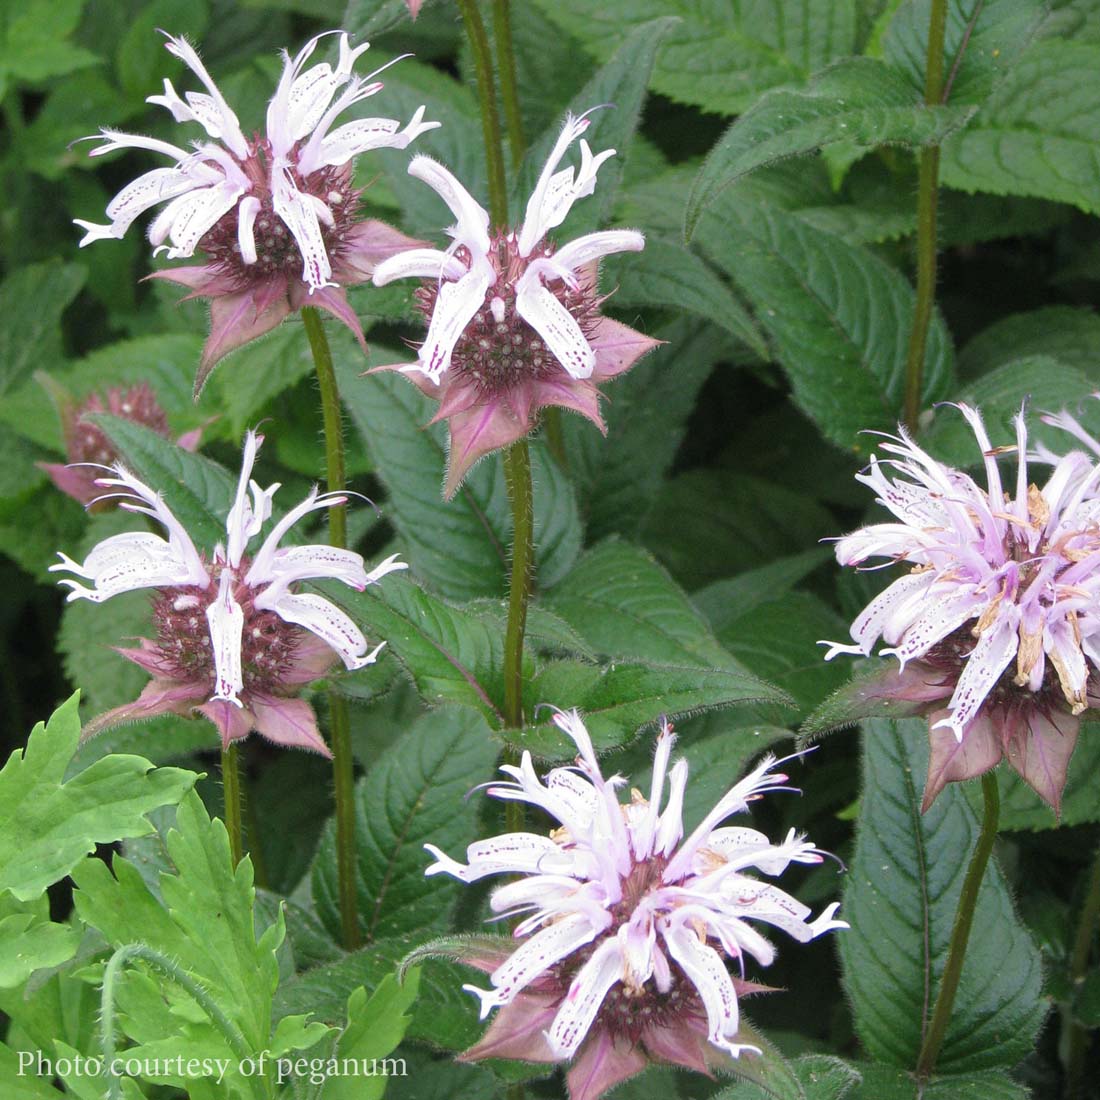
276, 215
996, 623
235, 642
629, 927
514, 321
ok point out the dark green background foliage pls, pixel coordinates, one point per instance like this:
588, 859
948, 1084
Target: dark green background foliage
767, 150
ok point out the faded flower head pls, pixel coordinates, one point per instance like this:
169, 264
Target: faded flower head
87, 446
624, 950
234, 642
995, 624
276, 216
514, 321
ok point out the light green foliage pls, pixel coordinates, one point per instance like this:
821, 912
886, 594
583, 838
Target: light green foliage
49, 825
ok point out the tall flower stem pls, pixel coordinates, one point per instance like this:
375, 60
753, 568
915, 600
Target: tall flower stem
960, 932
231, 792
927, 200
343, 762
490, 117
1078, 967
506, 67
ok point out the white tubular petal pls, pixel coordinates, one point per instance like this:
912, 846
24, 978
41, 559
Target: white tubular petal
419, 263
670, 828
383, 568
537, 954
93, 231
159, 185
300, 217
187, 219
943, 616
348, 141
327, 621
593, 246
509, 853
741, 845
226, 620
116, 139
541, 205
240, 524
472, 222
556, 325
870, 622
228, 128
298, 563
769, 904
123, 563
455, 307
989, 658
584, 998
246, 218
706, 971
642, 834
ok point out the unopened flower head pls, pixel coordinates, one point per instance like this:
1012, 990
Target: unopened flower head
514, 321
629, 924
235, 642
276, 215
995, 624
86, 444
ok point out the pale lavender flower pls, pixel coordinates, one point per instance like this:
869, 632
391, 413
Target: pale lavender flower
628, 923
235, 641
996, 623
276, 215
514, 322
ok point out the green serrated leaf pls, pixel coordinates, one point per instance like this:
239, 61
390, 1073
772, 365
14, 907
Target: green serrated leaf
905, 879
886, 1083
33, 41
1033, 136
374, 1029
37, 295
1064, 333
625, 605
412, 795
460, 547
624, 697
720, 56
48, 826
444, 1016
30, 941
666, 275
858, 101
987, 39
838, 316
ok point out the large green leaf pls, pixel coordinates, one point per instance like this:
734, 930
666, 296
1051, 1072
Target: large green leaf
412, 795
624, 697
857, 101
625, 605
32, 301
203, 921
721, 55
1034, 136
375, 1027
47, 826
666, 275
34, 43
838, 316
1068, 335
904, 886
983, 41
460, 547
887, 1083
30, 941
820, 1076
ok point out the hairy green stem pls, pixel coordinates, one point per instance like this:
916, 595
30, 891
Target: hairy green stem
343, 761
506, 67
960, 932
1078, 967
173, 972
517, 474
490, 117
927, 200
231, 795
